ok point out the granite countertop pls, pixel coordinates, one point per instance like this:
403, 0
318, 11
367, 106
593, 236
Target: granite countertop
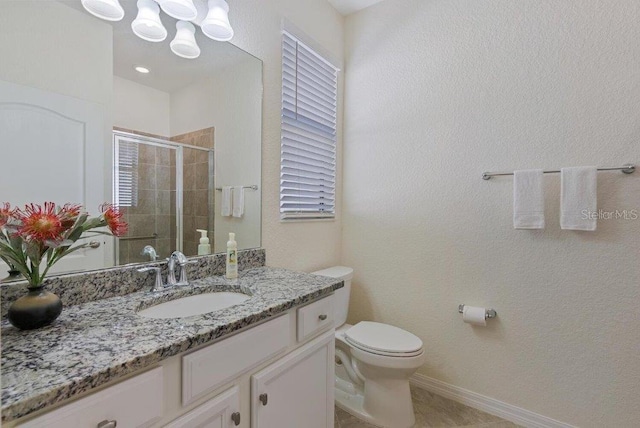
96, 342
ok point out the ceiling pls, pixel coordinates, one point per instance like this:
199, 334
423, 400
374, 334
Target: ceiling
168, 71
346, 7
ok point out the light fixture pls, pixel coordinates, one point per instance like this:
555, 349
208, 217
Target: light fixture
143, 70
183, 10
184, 44
109, 10
216, 25
147, 24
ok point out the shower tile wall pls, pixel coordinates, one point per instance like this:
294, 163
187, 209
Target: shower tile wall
197, 204
154, 212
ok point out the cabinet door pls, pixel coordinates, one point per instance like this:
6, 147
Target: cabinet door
223, 411
296, 391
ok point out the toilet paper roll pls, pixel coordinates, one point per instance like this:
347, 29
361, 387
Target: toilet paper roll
474, 315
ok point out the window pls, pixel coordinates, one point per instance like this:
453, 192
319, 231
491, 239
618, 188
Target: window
308, 157
126, 174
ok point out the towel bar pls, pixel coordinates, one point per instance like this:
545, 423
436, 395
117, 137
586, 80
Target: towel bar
627, 169
252, 187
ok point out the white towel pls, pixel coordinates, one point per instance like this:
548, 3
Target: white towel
528, 199
238, 201
226, 201
578, 201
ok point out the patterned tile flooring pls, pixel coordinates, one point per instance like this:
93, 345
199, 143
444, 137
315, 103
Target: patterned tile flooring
434, 411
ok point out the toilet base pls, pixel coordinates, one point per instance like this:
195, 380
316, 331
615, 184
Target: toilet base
353, 404
352, 401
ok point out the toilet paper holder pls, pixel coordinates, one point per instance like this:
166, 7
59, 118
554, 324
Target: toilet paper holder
488, 314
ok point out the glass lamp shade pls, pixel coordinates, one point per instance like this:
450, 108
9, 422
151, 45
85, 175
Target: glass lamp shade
109, 10
183, 10
184, 44
147, 24
216, 25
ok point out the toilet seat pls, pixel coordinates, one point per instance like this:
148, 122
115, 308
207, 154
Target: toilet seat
383, 339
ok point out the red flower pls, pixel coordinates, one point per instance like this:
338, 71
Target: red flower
68, 214
40, 224
113, 217
5, 213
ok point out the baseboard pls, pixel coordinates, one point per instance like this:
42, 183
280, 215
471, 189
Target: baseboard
490, 405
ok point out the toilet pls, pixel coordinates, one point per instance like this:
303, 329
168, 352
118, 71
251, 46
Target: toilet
374, 362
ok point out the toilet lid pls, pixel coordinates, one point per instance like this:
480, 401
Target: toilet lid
383, 339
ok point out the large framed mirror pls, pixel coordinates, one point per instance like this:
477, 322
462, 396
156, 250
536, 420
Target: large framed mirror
91, 113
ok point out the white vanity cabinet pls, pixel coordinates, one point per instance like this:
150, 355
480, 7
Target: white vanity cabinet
277, 374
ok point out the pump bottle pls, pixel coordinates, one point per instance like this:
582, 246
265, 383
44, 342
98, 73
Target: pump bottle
232, 257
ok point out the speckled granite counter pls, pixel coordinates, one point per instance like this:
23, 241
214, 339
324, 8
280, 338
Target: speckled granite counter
96, 342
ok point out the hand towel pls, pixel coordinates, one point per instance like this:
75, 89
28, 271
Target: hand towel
528, 199
238, 201
578, 199
226, 201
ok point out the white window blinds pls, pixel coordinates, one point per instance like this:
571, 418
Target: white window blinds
126, 188
308, 157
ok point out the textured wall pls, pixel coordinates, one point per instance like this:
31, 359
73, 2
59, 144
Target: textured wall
257, 25
438, 91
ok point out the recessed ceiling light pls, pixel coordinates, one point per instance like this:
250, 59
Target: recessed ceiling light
142, 70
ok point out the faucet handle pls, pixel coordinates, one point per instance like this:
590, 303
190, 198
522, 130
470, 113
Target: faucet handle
183, 270
158, 286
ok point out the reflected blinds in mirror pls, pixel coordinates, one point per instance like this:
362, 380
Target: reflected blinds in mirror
308, 156
126, 186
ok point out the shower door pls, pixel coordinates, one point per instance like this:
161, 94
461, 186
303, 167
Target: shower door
165, 191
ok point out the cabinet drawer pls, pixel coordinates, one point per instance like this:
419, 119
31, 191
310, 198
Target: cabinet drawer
135, 402
315, 318
207, 369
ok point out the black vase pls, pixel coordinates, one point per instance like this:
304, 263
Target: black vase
37, 309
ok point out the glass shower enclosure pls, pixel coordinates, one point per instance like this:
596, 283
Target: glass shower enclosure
165, 191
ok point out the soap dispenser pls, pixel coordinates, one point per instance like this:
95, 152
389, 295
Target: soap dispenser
232, 257
204, 248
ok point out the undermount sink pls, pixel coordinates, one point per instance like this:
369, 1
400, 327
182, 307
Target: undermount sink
194, 305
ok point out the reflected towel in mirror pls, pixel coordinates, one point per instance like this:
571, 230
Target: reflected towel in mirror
238, 201
226, 201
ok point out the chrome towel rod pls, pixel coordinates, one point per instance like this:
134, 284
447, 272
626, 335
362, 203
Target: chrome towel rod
137, 238
627, 169
252, 187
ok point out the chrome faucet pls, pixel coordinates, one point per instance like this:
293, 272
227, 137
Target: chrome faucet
181, 260
148, 250
177, 258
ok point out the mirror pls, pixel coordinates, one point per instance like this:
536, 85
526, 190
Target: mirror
79, 124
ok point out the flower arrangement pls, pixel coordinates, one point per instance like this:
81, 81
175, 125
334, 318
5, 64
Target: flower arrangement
33, 239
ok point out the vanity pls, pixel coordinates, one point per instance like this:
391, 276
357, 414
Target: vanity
265, 362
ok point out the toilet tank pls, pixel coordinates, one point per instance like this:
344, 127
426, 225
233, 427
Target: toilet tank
342, 294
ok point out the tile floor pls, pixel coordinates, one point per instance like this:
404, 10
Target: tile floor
434, 411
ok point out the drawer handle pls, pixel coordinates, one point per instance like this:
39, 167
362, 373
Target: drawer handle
235, 417
322, 317
264, 399
108, 424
